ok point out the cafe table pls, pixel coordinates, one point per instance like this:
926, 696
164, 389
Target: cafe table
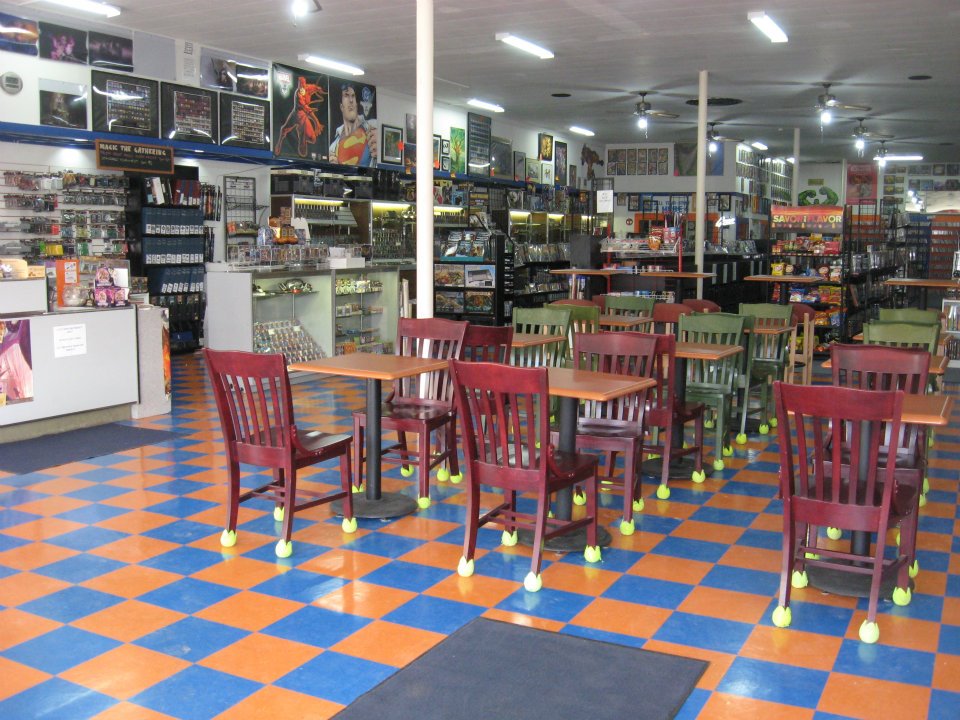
624, 322
575, 273
374, 369
571, 386
784, 280
524, 343
682, 468
924, 284
677, 276
928, 411
938, 364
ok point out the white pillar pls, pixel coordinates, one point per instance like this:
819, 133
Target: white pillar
795, 185
424, 158
701, 218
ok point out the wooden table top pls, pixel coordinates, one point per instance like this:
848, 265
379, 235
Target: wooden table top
589, 385
706, 351
769, 330
932, 410
602, 272
938, 364
937, 283
624, 321
524, 340
682, 274
797, 279
370, 366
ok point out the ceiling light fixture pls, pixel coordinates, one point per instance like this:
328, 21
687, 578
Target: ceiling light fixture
792, 160
90, 6
860, 144
642, 122
900, 158
484, 105
767, 26
712, 146
525, 45
758, 145
581, 131
826, 117
331, 64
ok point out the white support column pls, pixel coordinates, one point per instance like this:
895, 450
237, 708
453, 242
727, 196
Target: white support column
701, 196
424, 158
795, 185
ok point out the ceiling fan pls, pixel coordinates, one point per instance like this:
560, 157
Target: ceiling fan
827, 102
862, 135
714, 136
644, 111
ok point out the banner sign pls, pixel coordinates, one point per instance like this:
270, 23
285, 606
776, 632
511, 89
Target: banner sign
134, 157
816, 218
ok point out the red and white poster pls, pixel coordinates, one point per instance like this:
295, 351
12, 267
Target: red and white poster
861, 182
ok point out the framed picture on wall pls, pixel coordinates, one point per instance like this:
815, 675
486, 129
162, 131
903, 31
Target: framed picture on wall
392, 145
444, 147
545, 143
244, 122
560, 163
445, 163
125, 104
519, 165
436, 152
188, 113
501, 158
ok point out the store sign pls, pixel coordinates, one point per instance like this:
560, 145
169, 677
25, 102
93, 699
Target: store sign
819, 218
134, 157
604, 201
69, 340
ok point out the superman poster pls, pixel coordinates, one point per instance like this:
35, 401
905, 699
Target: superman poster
353, 123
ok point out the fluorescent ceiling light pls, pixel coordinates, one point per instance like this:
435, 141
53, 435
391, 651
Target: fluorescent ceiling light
95, 8
484, 105
581, 131
331, 64
901, 158
758, 145
525, 45
767, 26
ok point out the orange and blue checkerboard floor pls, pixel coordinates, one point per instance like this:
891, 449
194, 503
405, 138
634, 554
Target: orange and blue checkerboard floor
117, 600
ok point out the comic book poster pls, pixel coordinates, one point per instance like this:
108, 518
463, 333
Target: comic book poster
16, 367
354, 136
300, 113
19, 34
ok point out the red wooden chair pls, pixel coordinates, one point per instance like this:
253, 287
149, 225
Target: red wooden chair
860, 495
488, 343
701, 306
617, 426
497, 405
665, 411
667, 315
255, 405
422, 404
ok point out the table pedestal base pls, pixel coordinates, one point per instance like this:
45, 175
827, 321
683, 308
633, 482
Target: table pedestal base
574, 541
680, 468
390, 505
838, 582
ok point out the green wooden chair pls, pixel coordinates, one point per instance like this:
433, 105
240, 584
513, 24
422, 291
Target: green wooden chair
542, 321
767, 360
584, 318
913, 315
903, 334
629, 305
710, 382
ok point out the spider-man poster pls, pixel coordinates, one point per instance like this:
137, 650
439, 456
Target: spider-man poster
300, 113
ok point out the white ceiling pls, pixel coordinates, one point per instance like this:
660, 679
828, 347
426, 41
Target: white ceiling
607, 49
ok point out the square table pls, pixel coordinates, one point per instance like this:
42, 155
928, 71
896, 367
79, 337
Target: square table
924, 284
624, 322
375, 369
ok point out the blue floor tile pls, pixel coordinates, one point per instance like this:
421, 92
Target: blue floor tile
750, 489
658, 593
814, 617
79, 568
774, 682
547, 603
434, 614
300, 585
407, 576
181, 507
383, 545
763, 539
704, 632
93, 513
179, 487
187, 595
55, 699
692, 707
71, 603
191, 638
884, 662
944, 705
196, 693
727, 577
949, 640
183, 531
12, 498
505, 566
336, 677
604, 636
723, 516
184, 560
60, 649
86, 538
12, 518
690, 549
316, 626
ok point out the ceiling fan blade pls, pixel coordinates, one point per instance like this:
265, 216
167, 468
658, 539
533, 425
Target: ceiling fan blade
875, 135
724, 138
662, 114
846, 106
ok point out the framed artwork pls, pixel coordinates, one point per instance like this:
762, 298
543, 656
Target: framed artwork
20, 35
110, 51
633, 203
478, 144
663, 155
63, 104
410, 128
125, 104
392, 142
501, 158
244, 122
354, 139
188, 113
953, 168
444, 147
63, 43
445, 163
560, 163
519, 165
937, 169
217, 72
652, 167
301, 118
546, 173
545, 143
253, 80
572, 175
409, 158
436, 152
723, 203
458, 151
532, 173
621, 199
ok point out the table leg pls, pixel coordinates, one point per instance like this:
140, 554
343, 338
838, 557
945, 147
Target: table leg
375, 503
784, 293
563, 508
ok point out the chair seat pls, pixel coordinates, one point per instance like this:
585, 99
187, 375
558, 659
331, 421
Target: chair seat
571, 466
612, 431
408, 412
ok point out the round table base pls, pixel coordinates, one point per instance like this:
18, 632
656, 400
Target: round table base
839, 582
680, 468
574, 541
390, 505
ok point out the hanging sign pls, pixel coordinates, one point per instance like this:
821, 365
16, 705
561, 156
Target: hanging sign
819, 218
134, 157
604, 201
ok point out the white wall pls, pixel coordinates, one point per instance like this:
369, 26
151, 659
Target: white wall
813, 176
